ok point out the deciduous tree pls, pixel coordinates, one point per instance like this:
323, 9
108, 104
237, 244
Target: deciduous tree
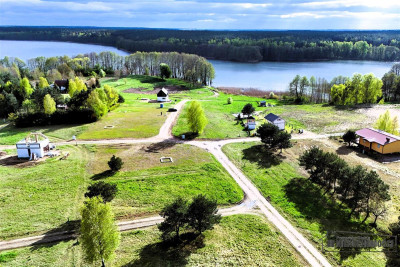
196, 118
99, 234
49, 104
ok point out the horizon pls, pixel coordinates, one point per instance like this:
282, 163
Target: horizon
235, 15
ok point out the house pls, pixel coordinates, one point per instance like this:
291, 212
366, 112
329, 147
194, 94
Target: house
35, 145
376, 140
263, 104
62, 84
162, 95
276, 120
251, 123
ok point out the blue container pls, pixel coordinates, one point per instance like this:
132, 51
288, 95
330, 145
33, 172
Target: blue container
161, 105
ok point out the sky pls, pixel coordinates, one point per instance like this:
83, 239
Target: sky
208, 14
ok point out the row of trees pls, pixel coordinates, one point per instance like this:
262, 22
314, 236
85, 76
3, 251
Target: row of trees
362, 191
314, 90
188, 67
360, 89
391, 84
245, 46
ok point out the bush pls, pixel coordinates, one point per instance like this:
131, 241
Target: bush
230, 100
71, 116
105, 190
121, 99
115, 163
272, 95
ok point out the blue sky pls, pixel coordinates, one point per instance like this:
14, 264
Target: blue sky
208, 14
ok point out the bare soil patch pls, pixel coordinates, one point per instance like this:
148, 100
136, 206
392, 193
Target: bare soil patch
18, 163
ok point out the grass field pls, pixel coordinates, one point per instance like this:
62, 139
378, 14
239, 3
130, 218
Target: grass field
145, 184
132, 119
43, 197
221, 122
239, 240
302, 203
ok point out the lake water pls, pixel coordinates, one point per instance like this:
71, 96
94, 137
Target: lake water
264, 75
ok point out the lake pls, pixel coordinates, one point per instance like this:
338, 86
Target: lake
264, 75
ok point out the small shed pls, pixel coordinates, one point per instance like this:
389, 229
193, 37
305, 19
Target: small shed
162, 95
263, 104
251, 123
276, 120
34, 145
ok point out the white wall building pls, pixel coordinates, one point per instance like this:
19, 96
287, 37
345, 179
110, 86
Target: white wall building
276, 120
35, 144
162, 95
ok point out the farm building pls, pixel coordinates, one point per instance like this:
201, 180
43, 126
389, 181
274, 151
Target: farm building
376, 140
34, 145
276, 120
162, 95
62, 84
251, 123
263, 104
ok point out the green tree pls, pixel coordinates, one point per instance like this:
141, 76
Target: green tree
196, 118
267, 133
112, 95
165, 71
115, 163
72, 89
102, 74
350, 137
49, 104
96, 104
282, 140
175, 218
248, 109
388, 124
99, 234
43, 83
25, 88
230, 100
202, 213
105, 190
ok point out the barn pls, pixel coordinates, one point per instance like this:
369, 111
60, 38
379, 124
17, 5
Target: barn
276, 120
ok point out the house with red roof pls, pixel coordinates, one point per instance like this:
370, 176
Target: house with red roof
376, 140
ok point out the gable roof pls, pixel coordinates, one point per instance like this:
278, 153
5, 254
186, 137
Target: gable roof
162, 93
60, 83
271, 117
377, 136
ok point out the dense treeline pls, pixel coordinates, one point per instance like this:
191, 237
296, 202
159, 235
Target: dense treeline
188, 67
362, 191
246, 46
391, 84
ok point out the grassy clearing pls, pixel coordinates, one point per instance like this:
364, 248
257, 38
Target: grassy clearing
302, 203
42, 197
221, 122
239, 240
319, 118
145, 184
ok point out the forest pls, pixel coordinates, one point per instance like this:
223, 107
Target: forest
241, 46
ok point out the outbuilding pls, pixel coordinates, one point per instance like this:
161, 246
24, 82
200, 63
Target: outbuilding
276, 120
251, 123
35, 145
162, 95
379, 141
62, 84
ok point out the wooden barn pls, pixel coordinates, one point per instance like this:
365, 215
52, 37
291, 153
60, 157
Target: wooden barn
379, 141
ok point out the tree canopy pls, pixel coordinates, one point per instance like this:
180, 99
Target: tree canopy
196, 118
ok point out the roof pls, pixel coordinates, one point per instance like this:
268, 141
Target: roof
60, 83
377, 136
271, 117
163, 92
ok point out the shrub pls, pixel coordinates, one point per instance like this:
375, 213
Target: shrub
121, 99
115, 163
230, 100
105, 190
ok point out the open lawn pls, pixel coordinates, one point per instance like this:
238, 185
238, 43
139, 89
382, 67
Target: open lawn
239, 240
221, 122
280, 178
42, 197
132, 119
146, 185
